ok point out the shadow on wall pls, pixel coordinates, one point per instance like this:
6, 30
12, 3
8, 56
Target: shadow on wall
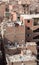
9, 44
37, 30
28, 34
36, 37
1, 19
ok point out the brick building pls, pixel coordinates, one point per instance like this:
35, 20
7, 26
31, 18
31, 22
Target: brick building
32, 28
21, 28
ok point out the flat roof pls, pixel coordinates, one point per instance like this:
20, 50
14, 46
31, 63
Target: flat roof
19, 58
30, 16
31, 43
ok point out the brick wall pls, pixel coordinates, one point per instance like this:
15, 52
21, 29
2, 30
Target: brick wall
15, 34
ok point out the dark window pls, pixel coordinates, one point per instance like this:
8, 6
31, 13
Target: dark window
12, 63
37, 30
38, 43
20, 57
23, 5
36, 37
28, 41
28, 21
28, 28
7, 9
16, 24
36, 21
18, 18
28, 35
38, 56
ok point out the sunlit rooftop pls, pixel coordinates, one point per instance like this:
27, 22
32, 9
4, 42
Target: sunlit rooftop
19, 58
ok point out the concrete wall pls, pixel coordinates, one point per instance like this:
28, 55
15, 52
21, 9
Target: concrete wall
25, 63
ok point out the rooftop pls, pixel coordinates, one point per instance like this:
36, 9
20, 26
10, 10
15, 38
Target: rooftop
30, 16
19, 58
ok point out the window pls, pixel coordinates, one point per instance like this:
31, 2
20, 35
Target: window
28, 35
36, 21
18, 18
37, 30
38, 43
36, 37
28, 21
7, 9
28, 28
23, 5
12, 63
28, 41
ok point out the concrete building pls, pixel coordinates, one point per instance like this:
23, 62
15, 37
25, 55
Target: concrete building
32, 28
25, 6
21, 30
21, 59
32, 25
14, 34
20, 7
